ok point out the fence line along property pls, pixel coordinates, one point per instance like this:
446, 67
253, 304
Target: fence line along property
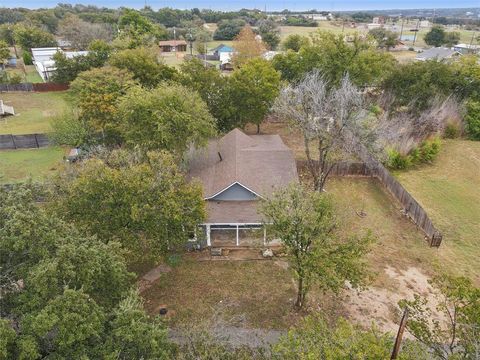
411, 206
29, 87
27, 141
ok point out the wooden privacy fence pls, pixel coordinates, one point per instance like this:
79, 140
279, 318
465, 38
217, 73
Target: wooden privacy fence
411, 207
40, 87
28, 141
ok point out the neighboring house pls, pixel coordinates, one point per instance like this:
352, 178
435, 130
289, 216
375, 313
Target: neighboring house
424, 24
437, 53
44, 63
269, 55
237, 171
466, 49
223, 53
173, 45
226, 65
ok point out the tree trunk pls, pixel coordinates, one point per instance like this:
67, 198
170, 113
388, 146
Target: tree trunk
258, 128
300, 294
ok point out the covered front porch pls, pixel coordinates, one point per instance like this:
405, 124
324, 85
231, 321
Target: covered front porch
236, 235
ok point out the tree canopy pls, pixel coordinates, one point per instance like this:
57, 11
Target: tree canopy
142, 201
169, 117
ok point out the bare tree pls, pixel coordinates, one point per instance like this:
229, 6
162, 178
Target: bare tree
323, 113
81, 33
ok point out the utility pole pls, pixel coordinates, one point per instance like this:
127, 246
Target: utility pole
416, 31
398, 340
401, 28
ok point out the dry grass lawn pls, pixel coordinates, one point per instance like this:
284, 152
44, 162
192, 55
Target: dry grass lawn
33, 111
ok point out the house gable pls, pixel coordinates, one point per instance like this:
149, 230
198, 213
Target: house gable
235, 192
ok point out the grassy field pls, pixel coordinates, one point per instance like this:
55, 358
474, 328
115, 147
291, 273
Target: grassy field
18, 165
449, 190
33, 111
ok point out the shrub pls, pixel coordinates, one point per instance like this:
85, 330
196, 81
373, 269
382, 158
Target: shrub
397, 161
376, 110
472, 120
452, 131
27, 58
428, 150
425, 153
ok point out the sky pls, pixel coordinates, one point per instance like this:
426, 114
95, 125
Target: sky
329, 5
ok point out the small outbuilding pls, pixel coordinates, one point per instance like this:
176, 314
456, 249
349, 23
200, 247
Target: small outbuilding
173, 46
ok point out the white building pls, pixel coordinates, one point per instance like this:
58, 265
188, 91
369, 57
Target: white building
467, 49
44, 63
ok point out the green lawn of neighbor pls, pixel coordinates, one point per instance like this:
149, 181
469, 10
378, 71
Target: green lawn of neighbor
19, 165
449, 190
33, 111
29, 75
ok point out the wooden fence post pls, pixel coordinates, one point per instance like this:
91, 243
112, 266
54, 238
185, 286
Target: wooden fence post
398, 340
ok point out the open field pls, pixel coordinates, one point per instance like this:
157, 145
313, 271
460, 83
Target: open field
33, 111
18, 165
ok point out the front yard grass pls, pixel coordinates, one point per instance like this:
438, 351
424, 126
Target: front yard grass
33, 111
258, 294
19, 165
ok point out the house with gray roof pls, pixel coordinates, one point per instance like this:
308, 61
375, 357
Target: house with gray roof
236, 171
437, 53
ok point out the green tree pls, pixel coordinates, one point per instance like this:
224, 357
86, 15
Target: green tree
451, 38
97, 93
63, 292
143, 201
417, 84
228, 29
67, 69
170, 117
435, 37
304, 221
133, 335
4, 52
213, 88
371, 67
269, 32
458, 337
295, 42
290, 65
472, 119
385, 39
255, 86
315, 339
28, 37
137, 30
144, 65
69, 129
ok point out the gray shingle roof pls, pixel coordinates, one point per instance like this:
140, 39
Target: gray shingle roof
437, 53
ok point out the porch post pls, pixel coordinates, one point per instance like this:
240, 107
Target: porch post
238, 242
264, 235
208, 235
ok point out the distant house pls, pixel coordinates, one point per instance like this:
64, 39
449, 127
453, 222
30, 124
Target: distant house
226, 65
437, 53
44, 63
223, 53
236, 171
466, 49
173, 46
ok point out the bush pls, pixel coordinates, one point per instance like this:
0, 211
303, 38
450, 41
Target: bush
428, 150
68, 129
397, 161
472, 120
27, 58
452, 131
376, 110
425, 153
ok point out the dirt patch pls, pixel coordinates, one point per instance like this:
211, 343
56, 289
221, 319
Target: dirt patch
380, 305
